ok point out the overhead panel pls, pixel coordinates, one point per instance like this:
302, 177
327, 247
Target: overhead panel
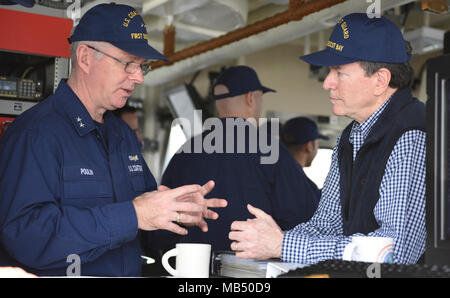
197, 20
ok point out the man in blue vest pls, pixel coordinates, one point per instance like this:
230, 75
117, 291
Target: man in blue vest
376, 183
75, 191
276, 185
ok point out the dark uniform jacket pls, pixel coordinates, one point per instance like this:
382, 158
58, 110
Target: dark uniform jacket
66, 189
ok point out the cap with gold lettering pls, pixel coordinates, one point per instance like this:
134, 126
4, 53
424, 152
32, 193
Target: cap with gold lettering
118, 24
356, 37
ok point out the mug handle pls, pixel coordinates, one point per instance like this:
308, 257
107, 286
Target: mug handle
165, 261
348, 251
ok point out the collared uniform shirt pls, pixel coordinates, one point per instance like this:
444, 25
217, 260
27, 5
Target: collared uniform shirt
66, 189
400, 210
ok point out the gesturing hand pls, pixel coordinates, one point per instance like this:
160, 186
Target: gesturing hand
186, 204
258, 238
199, 199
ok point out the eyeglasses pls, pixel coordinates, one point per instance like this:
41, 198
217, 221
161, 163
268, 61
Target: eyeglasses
130, 67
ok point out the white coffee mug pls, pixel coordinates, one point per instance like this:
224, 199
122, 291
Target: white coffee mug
192, 260
370, 249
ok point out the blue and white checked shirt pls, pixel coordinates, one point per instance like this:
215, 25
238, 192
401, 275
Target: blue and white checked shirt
400, 211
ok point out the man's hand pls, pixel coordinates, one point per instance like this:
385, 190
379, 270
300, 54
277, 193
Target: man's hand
257, 238
205, 203
186, 204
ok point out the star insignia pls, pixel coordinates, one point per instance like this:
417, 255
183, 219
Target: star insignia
78, 119
81, 124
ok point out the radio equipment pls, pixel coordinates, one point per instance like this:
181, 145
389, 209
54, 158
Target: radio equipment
15, 88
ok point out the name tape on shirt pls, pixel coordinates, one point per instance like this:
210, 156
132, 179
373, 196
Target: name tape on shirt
86, 172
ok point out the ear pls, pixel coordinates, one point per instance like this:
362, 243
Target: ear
249, 100
310, 146
84, 58
307, 147
382, 79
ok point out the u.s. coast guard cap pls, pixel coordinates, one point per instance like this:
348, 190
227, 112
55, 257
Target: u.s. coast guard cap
118, 24
356, 37
239, 80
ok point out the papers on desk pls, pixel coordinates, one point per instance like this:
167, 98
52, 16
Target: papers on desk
232, 266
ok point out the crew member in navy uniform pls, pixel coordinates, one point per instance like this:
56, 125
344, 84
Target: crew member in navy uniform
278, 186
75, 189
376, 183
301, 136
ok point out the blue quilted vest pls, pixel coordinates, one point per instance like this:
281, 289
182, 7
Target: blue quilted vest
360, 179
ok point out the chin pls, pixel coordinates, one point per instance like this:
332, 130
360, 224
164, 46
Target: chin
337, 111
119, 103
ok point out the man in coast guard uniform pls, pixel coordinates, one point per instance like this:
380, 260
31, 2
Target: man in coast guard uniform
73, 182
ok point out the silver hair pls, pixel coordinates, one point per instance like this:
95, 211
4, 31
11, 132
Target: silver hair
96, 44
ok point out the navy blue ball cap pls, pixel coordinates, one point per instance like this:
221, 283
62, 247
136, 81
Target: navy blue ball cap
299, 131
239, 80
118, 24
26, 3
356, 37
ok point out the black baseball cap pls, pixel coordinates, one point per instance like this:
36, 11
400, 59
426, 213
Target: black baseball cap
239, 80
299, 131
118, 24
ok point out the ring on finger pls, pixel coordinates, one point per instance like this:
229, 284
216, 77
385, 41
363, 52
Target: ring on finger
179, 218
235, 246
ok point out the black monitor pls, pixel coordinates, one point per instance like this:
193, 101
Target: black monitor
438, 161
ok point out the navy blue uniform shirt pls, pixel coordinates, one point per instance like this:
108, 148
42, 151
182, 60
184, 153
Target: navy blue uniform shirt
280, 189
67, 188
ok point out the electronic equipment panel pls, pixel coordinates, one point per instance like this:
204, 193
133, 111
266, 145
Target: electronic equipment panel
26, 89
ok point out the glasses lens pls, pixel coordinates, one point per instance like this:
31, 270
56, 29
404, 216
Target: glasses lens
145, 68
132, 68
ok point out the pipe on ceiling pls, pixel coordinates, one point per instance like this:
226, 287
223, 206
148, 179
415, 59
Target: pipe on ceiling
296, 11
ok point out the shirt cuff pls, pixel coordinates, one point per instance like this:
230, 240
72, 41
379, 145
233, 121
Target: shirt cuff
294, 249
123, 223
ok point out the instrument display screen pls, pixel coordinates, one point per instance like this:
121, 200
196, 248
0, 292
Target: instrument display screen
8, 85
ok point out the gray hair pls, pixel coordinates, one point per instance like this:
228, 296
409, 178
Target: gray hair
402, 74
101, 45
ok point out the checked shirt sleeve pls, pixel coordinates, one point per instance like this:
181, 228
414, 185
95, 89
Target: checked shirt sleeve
400, 211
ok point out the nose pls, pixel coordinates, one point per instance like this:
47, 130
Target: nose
330, 81
137, 77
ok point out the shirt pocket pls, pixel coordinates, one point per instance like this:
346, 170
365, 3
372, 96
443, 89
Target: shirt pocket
138, 183
86, 183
